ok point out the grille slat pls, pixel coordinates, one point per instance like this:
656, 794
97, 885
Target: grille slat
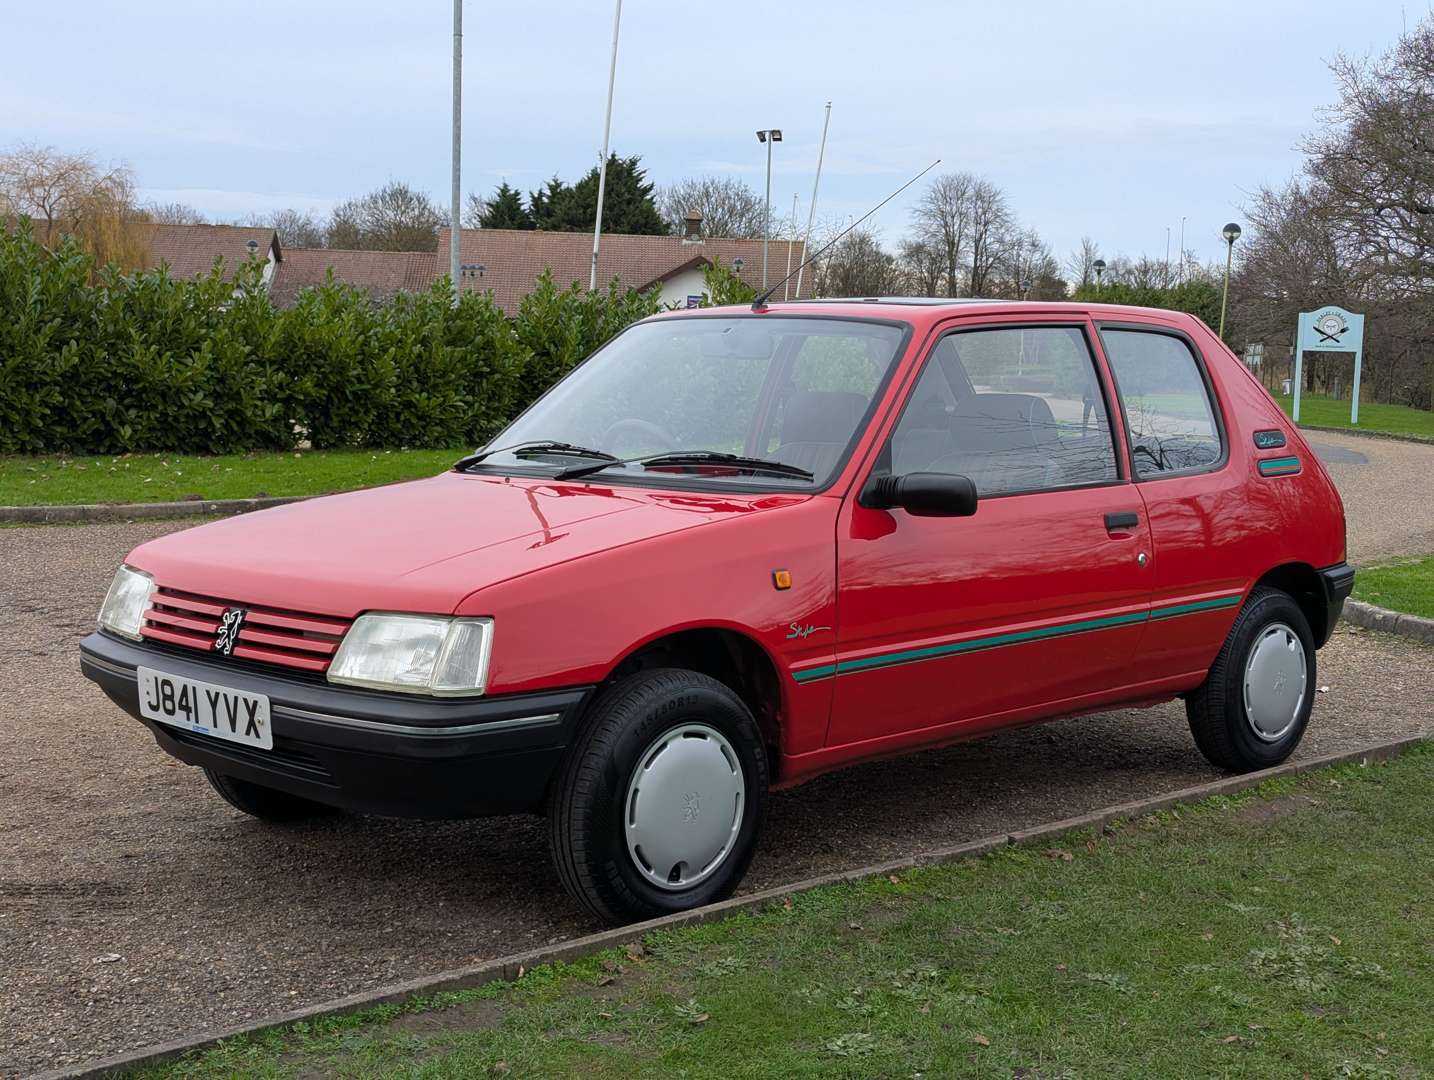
188, 602
305, 625
292, 639
177, 637
277, 656
322, 646
182, 622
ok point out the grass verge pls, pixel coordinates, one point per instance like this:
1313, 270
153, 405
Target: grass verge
51, 480
1401, 586
1393, 419
1288, 931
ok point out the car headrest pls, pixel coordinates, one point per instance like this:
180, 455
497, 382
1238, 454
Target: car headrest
821, 416
1007, 421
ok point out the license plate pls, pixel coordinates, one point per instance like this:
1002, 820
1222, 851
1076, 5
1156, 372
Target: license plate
205, 708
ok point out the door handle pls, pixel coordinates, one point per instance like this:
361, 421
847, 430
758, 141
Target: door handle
1120, 522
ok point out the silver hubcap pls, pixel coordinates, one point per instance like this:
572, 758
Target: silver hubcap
684, 806
1275, 682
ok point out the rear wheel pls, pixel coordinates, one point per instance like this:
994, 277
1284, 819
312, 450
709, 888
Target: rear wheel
1252, 709
658, 806
266, 804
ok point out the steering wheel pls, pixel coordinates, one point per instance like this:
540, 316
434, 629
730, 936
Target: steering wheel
642, 428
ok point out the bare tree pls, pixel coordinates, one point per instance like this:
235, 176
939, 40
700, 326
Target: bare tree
296, 228
943, 221
924, 267
173, 213
1080, 264
991, 223
728, 206
394, 217
1375, 155
859, 266
72, 195
1030, 270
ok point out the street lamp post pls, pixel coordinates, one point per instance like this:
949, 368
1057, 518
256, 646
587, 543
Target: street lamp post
1231, 233
1099, 267
768, 136
455, 221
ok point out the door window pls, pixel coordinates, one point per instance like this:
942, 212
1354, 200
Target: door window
1016, 409
1167, 404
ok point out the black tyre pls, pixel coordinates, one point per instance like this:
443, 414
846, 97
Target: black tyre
1254, 705
659, 802
266, 804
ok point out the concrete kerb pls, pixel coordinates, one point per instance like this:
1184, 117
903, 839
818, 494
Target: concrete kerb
1370, 617
88, 512
510, 968
1423, 440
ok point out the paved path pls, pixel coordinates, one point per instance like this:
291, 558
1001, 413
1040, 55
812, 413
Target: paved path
1388, 496
135, 906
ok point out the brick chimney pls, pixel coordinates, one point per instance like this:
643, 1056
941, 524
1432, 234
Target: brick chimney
692, 228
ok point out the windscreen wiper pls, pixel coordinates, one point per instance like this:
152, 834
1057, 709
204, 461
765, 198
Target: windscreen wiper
692, 457
535, 447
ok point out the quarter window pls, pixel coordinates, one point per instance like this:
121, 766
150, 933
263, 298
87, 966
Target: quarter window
1167, 405
1015, 409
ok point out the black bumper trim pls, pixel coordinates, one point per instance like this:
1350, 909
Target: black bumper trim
1337, 582
367, 751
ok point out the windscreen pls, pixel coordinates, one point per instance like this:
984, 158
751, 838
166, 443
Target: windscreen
789, 391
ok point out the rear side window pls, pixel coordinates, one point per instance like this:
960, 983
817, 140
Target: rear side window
1016, 409
1167, 404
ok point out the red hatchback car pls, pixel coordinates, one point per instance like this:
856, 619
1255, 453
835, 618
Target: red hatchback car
736, 548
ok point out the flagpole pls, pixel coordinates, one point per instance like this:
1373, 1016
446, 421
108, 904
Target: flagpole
606, 130
812, 213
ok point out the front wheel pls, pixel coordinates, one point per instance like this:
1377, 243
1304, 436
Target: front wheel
660, 801
1254, 705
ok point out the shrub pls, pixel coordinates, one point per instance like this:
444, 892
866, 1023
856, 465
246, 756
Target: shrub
146, 362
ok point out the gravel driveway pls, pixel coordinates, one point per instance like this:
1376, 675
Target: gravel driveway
1388, 499
137, 907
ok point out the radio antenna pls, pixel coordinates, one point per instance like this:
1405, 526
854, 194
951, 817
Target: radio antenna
761, 300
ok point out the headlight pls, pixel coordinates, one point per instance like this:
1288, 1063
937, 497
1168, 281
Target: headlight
123, 610
418, 654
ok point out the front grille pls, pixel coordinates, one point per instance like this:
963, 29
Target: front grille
288, 639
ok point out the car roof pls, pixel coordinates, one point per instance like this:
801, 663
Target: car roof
930, 308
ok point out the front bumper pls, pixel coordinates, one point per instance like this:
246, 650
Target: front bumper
366, 751
1337, 582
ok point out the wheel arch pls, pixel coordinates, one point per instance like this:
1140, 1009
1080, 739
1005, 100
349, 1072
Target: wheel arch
728, 654
1302, 583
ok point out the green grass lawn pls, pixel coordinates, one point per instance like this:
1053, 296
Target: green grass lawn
1283, 933
1402, 586
1395, 419
29, 481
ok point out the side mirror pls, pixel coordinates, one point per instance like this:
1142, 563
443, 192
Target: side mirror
922, 494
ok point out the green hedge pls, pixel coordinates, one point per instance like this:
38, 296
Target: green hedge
1198, 298
147, 362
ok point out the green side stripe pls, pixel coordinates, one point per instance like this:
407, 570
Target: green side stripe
931, 652
1198, 605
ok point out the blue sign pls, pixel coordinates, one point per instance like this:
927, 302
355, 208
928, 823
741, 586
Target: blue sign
1330, 329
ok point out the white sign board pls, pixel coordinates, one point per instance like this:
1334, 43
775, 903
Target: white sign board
1330, 329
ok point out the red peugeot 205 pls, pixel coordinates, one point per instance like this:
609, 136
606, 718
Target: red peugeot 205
736, 548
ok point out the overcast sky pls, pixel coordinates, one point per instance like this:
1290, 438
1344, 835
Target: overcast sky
1104, 118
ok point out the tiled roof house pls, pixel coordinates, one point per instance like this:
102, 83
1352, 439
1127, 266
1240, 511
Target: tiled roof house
506, 261
383, 273
503, 261
190, 250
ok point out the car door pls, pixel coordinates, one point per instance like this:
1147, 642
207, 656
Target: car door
1202, 539
1034, 604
